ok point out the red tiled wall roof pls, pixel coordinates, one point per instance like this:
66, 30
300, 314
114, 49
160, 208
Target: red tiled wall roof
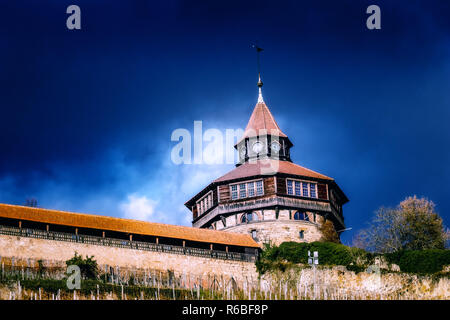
81, 220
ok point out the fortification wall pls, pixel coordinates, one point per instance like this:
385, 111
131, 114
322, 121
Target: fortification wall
337, 283
303, 283
32, 248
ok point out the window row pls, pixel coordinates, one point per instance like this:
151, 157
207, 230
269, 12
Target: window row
246, 190
301, 188
205, 203
298, 215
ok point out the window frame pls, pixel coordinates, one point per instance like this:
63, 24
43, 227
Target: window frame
205, 203
253, 214
305, 216
246, 183
302, 188
237, 192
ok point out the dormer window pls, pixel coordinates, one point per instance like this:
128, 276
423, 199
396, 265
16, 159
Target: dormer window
301, 188
246, 189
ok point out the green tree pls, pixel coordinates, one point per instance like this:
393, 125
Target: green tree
88, 266
412, 225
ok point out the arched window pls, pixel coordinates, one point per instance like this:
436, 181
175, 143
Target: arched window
299, 215
248, 217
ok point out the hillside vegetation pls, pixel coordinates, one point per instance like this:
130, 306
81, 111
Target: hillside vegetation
288, 254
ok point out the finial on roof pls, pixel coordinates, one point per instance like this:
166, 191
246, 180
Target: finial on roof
260, 84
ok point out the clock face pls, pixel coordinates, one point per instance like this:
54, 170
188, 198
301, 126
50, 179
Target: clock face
242, 152
275, 146
257, 147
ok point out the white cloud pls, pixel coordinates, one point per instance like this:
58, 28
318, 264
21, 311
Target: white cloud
139, 208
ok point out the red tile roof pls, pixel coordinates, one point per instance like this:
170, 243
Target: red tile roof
269, 167
82, 220
262, 119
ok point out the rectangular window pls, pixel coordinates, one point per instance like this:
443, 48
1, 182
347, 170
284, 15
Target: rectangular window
305, 189
242, 191
205, 203
312, 190
289, 187
251, 189
297, 188
302, 234
301, 188
248, 189
234, 192
259, 188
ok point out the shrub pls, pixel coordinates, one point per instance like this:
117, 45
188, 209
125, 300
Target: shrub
354, 259
88, 266
330, 253
268, 257
420, 261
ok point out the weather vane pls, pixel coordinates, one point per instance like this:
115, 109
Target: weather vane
258, 50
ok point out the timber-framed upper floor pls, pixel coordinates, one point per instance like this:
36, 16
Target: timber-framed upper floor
249, 187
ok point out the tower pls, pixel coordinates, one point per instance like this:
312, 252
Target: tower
267, 195
263, 138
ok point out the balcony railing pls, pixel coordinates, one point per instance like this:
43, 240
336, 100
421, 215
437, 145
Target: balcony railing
137, 245
227, 208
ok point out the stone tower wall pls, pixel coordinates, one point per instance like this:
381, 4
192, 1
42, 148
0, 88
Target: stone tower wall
270, 228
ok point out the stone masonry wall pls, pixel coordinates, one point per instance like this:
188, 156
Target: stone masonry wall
330, 283
276, 230
31, 248
337, 283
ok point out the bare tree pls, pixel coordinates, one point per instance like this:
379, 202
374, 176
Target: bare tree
412, 225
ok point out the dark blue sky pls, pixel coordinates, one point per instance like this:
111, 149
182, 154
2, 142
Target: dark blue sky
87, 115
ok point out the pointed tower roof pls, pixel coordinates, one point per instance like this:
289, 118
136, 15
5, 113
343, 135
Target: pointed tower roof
261, 119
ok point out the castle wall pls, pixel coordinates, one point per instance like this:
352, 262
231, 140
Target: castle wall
32, 248
331, 283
